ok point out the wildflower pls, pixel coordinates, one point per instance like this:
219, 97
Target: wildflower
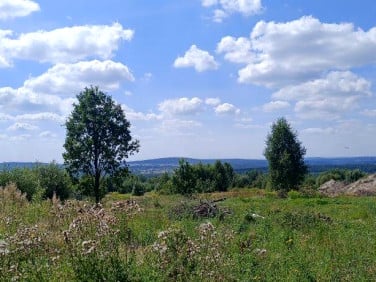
3, 247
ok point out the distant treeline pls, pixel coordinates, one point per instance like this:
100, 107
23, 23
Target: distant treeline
43, 181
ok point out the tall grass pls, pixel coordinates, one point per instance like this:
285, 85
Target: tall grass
260, 238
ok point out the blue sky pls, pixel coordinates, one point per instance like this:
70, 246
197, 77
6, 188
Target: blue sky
196, 78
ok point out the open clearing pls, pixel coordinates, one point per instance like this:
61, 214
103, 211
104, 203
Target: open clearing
251, 236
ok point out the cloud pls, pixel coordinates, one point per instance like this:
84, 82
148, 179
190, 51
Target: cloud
131, 114
226, 108
366, 112
199, 59
236, 50
63, 45
17, 8
147, 77
69, 79
21, 126
17, 138
208, 3
327, 97
318, 130
275, 106
325, 108
5, 117
212, 101
179, 126
335, 83
54, 90
219, 15
21, 100
286, 53
47, 135
181, 106
41, 116
225, 8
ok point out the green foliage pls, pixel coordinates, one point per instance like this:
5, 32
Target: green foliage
25, 179
252, 178
348, 176
138, 189
41, 181
183, 180
54, 180
188, 179
285, 155
98, 138
293, 194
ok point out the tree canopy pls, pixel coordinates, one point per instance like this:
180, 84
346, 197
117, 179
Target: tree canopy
98, 138
285, 155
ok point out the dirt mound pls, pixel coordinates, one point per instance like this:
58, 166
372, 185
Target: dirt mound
363, 187
332, 188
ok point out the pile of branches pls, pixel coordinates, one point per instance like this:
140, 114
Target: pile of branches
203, 209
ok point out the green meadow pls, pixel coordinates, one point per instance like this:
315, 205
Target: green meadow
249, 235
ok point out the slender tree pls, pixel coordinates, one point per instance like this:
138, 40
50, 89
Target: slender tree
98, 138
285, 155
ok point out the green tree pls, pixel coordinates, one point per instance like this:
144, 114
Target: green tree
54, 179
98, 138
285, 155
183, 179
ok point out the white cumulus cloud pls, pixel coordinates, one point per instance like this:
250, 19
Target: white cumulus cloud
54, 90
275, 106
226, 108
291, 52
327, 97
63, 45
181, 106
236, 50
17, 8
22, 126
225, 8
69, 79
131, 114
199, 59
212, 101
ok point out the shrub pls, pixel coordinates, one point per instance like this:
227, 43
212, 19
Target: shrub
54, 180
25, 179
138, 189
293, 194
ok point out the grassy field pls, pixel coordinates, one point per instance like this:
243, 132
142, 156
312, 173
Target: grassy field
253, 236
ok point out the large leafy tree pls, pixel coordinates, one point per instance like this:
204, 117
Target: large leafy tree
98, 138
285, 155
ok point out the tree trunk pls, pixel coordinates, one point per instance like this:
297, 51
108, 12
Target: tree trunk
96, 187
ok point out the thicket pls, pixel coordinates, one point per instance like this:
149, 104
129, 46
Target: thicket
345, 175
200, 178
43, 181
40, 181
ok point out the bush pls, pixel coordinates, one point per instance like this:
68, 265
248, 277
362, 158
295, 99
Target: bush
346, 175
54, 180
138, 189
25, 179
293, 194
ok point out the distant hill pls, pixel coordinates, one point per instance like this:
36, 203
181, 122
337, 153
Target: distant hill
316, 165
12, 165
161, 165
